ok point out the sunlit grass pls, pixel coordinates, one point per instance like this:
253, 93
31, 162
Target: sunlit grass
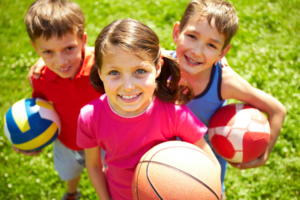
265, 52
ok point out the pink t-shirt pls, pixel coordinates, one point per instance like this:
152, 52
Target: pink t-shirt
126, 140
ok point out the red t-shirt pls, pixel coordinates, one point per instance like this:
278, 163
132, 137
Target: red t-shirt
68, 97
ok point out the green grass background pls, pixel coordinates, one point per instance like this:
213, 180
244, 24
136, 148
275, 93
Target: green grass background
265, 52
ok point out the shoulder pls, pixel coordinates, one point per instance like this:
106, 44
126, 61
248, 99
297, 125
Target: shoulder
91, 109
233, 84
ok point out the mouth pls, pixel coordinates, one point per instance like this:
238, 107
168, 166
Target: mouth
191, 61
64, 69
129, 97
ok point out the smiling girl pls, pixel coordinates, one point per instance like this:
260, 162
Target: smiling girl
141, 107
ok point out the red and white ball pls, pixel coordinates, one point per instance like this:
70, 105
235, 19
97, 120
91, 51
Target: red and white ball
239, 132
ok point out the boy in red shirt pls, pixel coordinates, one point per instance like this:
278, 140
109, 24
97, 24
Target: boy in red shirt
56, 31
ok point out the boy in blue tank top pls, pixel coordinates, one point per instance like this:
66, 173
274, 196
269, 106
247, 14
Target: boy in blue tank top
202, 37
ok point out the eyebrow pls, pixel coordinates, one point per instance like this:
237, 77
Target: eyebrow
70, 44
214, 40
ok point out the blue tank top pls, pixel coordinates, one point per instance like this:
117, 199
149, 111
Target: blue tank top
209, 101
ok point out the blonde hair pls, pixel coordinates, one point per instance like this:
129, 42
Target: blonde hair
221, 11
49, 18
137, 38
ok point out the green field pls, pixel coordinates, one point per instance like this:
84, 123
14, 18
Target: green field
265, 52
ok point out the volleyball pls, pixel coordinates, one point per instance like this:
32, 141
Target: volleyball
239, 132
31, 124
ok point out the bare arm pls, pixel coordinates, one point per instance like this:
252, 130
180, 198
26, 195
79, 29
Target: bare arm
96, 171
35, 70
202, 144
234, 86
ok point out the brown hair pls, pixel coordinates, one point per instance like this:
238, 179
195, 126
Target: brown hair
224, 14
135, 37
49, 18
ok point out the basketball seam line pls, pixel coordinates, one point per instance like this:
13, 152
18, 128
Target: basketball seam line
181, 172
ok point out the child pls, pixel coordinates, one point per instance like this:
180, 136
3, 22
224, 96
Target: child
202, 37
56, 30
137, 112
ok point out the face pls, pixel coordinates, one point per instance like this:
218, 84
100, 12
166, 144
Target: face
199, 46
129, 81
63, 55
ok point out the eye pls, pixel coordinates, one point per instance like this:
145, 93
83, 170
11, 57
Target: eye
114, 73
47, 52
140, 71
192, 36
213, 46
69, 48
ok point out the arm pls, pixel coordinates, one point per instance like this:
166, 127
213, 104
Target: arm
96, 171
35, 70
234, 86
202, 144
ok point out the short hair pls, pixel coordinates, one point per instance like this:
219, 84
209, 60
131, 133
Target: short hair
224, 14
49, 18
138, 39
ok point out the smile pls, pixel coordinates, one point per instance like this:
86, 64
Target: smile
129, 96
192, 61
64, 69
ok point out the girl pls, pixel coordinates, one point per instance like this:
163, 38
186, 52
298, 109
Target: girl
138, 110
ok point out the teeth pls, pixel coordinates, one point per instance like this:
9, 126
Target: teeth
129, 97
64, 69
192, 61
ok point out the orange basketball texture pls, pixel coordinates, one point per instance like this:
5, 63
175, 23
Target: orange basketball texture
176, 170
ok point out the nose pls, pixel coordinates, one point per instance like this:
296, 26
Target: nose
198, 50
128, 84
61, 59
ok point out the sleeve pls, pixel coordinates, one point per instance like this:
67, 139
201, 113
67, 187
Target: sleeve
189, 127
85, 131
37, 91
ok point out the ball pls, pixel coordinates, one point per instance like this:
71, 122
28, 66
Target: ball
239, 132
31, 124
176, 170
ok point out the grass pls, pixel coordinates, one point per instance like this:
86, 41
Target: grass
265, 52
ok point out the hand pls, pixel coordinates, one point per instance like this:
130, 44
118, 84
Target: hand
35, 71
224, 62
26, 153
260, 161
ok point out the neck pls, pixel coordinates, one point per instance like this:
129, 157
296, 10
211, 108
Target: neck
197, 81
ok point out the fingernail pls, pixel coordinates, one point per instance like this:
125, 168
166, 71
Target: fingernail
36, 76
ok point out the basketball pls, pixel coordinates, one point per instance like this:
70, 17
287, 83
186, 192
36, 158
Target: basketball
176, 170
239, 132
31, 124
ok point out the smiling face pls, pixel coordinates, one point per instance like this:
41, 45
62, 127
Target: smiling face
199, 46
62, 55
128, 80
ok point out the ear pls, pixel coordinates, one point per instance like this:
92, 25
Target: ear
36, 50
84, 41
223, 53
176, 32
159, 66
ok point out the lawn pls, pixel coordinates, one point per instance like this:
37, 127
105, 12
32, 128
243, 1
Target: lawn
265, 52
